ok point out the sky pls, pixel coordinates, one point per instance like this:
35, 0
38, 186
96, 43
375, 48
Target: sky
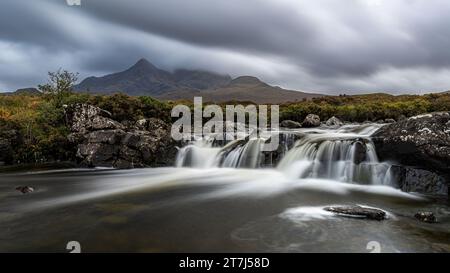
326, 46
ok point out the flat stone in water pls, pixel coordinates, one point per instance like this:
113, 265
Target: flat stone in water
25, 189
358, 212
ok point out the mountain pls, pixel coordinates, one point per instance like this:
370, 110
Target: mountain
244, 88
144, 78
30, 91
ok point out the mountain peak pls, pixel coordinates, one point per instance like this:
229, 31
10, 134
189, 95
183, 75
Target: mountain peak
143, 63
246, 80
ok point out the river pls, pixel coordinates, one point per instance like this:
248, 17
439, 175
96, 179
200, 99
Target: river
226, 198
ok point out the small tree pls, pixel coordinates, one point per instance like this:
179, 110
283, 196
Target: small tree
59, 85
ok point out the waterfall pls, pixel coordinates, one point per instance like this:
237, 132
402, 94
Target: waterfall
246, 156
346, 154
202, 154
199, 154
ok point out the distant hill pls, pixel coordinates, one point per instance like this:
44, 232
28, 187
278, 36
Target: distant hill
144, 78
244, 88
31, 91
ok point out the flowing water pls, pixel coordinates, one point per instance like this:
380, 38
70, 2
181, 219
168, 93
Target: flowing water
230, 197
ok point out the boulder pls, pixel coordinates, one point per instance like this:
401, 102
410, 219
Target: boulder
290, 124
410, 179
105, 136
25, 189
311, 120
389, 120
421, 141
334, 121
358, 212
102, 141
85, 117
360, 152
426, 216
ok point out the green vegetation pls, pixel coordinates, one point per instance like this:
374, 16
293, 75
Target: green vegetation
36, 124
41, 126
372, 107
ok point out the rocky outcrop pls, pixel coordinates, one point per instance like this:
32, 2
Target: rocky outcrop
421, 141
102, 141
410, 179
290, 124
358, 212
311, 120
334, 122
85, 117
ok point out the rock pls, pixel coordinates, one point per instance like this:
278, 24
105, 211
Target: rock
102, 123
97, 154
104, 142
290, 124
105, 136
422, 141
311, 120
360, 151
389, 120
410, 179
334, 121
25, 189
141, 124
358, 212
85, 117
401, 117
427, 217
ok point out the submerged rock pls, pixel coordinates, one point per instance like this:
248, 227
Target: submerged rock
311, 120
290, 124
426, 216
25, 189
358, 212
334, 121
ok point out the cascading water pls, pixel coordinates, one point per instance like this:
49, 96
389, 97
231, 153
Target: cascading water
346, 154
202, 154
272, 201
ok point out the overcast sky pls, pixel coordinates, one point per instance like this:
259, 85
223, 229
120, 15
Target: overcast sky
328, 46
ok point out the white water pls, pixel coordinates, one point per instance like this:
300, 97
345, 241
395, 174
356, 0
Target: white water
346, 154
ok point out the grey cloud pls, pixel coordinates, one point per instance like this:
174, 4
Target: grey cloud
321, 45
